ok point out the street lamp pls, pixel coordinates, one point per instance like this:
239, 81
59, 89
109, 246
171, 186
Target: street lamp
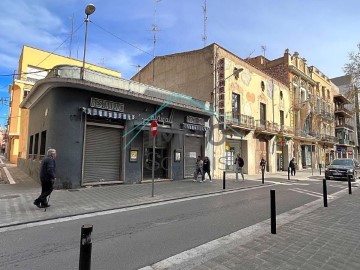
90, 9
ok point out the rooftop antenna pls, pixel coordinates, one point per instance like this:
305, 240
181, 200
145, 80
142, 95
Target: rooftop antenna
263, 48
204, 37
138, 67
71, 33
154, 29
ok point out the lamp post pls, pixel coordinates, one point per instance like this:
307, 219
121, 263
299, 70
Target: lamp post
90, 9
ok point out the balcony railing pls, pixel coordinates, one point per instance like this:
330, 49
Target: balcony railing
240, 120
344, 141
268, 126
342, 125
286, 129
328, 138
306, 134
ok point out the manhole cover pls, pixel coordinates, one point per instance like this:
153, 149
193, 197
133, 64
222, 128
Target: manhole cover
9, 197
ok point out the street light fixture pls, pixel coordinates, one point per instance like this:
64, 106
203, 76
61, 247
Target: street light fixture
90, 9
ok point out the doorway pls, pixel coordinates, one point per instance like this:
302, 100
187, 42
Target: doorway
161, 163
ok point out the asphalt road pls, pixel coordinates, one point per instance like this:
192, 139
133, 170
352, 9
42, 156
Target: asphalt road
136, 238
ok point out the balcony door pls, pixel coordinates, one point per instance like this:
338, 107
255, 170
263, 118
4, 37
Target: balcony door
262, 115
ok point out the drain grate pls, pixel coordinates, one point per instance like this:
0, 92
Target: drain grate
9, 197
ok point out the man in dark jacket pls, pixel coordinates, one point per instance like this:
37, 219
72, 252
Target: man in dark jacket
239, 164
206, 168
292, 166
47, 178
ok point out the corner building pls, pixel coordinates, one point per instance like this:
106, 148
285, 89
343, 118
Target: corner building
250, 108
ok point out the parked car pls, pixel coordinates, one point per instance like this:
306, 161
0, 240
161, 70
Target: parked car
342, 167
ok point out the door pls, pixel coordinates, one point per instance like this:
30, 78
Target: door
193, 148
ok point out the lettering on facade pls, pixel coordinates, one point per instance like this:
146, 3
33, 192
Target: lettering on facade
164, 120
195, 120
106, 105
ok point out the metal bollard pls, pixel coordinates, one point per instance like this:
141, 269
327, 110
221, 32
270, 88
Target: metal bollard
325, 193
289, 173
262, 174
273, 211
224, 173
85, 247
349, 184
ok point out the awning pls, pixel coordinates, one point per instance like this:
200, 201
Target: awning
108, 114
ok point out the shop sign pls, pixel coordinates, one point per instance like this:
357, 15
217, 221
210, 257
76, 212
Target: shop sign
161, 119
195, 120
350, 152
106, 105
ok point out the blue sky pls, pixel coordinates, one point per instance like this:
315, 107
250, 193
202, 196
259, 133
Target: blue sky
120, 36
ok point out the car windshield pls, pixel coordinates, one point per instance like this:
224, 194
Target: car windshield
343, 162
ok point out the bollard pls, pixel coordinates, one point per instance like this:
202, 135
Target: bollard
224, 179
85, 247
289, 173
273, 211
320, 170
325, 193
262, 174
349, 184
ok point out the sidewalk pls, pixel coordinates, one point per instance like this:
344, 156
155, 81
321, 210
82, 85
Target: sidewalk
16, 201
310, 237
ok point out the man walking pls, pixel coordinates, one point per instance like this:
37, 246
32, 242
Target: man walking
206, 168
239, 164
47, 178
292, 166
198, 169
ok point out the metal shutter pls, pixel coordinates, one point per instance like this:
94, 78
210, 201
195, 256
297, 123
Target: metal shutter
102, 158
192, 144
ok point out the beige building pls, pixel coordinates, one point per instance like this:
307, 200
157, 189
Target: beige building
251, 109
34, 64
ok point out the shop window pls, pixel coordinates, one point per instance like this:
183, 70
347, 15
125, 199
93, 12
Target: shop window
42, 144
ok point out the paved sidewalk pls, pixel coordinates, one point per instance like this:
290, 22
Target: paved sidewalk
16, 201
310, 237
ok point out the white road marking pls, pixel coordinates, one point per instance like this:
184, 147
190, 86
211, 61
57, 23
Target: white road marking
115, 211
308, 192
8, 175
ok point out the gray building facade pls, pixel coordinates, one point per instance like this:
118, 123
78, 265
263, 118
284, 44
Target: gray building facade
100, 128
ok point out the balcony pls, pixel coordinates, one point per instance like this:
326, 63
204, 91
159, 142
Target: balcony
341, 111
241, 120
307, 134
286, 129
267, 126
344, 141
328, 138
327, 116
343, 125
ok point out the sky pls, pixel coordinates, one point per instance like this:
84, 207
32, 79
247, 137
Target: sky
120, 35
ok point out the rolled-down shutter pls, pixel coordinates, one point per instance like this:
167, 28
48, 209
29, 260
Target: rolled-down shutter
192, 150
102, 160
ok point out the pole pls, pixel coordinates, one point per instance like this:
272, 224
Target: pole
273, 211
85, 247
262, 173
224, 173
312, 167
288, 173
325, 193
86, 30
153, 169
349, 184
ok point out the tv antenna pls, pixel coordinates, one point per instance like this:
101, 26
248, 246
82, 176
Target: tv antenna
263, 48
204, 37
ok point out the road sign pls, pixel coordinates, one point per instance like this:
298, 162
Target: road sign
153, 128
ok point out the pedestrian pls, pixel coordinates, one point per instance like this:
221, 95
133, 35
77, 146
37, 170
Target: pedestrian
292, 166
47, 178
206, 169
198, 169
239, 164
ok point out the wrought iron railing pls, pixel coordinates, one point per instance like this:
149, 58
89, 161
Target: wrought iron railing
267, 126
240, 119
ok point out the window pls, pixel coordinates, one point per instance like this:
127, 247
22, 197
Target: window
26, 92
281, 95
36, 144
43, 143
262, 113
31, 144
235, 105
281, 118
262, 86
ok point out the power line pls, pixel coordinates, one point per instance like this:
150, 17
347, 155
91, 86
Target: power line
120, 38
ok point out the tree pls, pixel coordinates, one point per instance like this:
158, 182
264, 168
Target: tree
352, 68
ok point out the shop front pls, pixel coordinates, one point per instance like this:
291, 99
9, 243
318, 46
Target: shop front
102, 137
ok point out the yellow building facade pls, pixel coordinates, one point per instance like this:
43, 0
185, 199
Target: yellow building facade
34, 64
250, 108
